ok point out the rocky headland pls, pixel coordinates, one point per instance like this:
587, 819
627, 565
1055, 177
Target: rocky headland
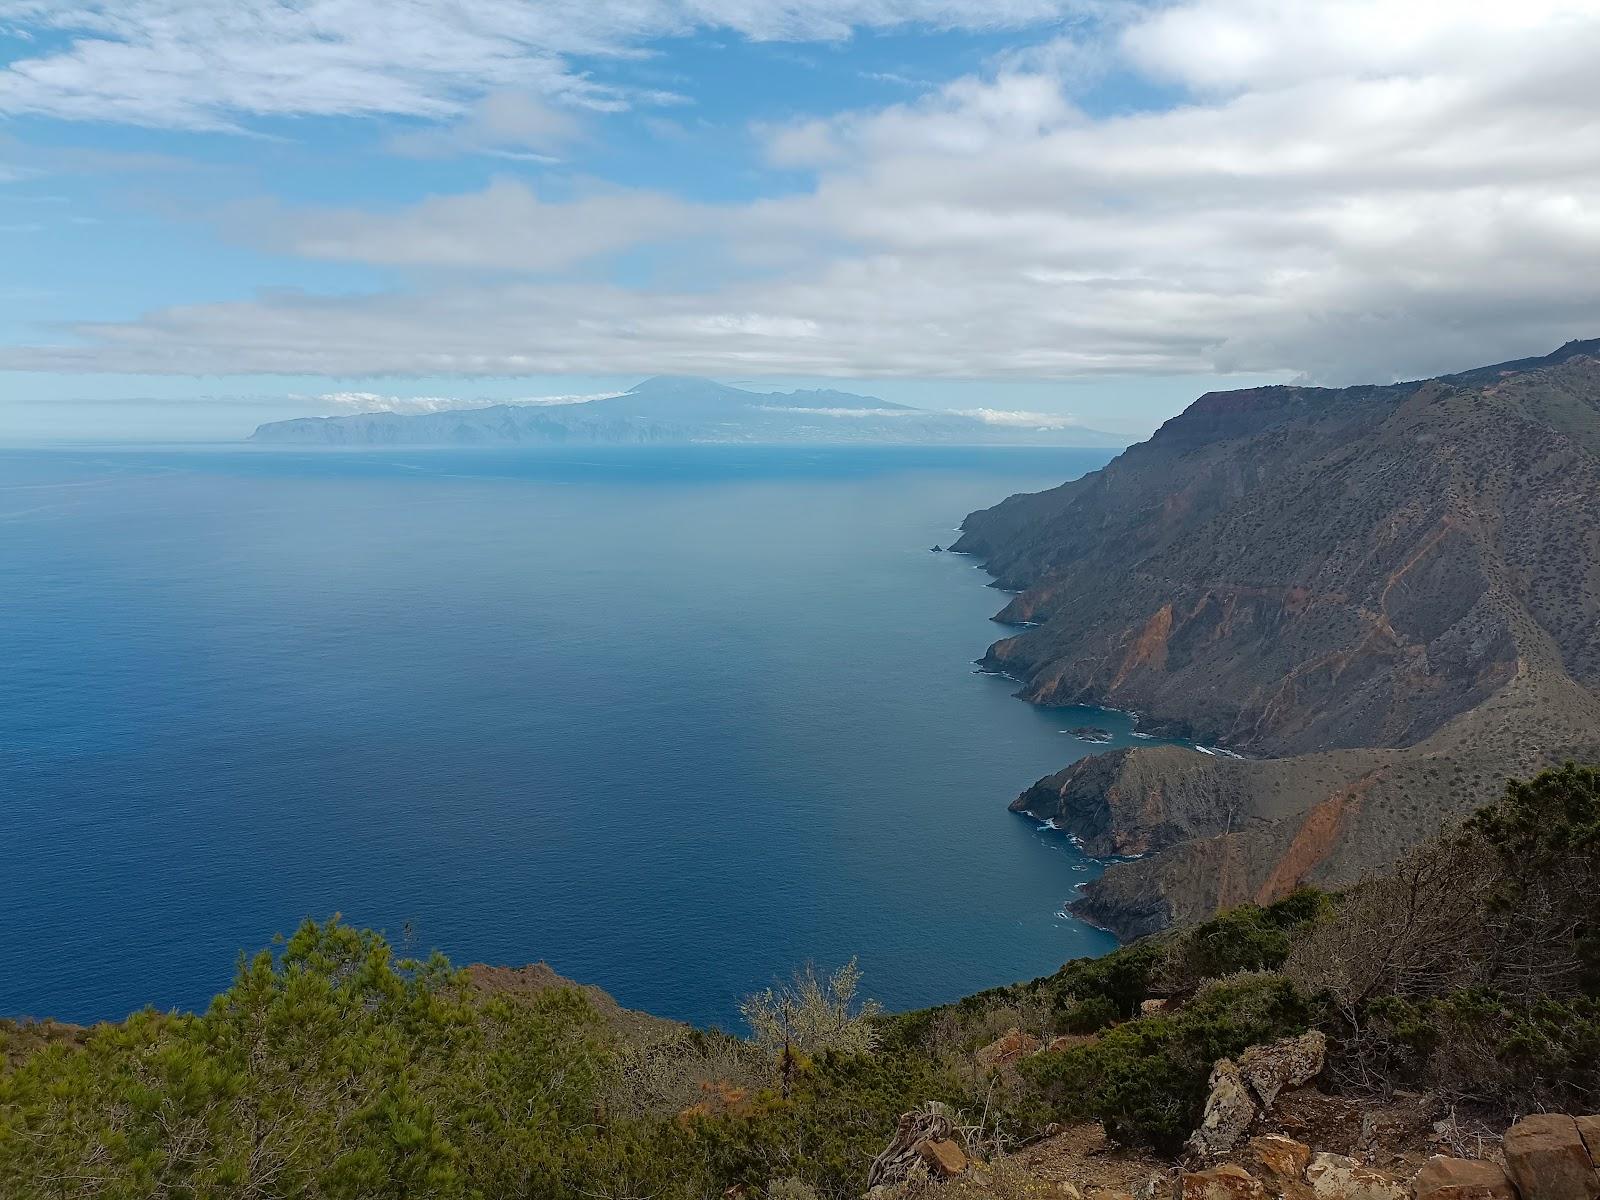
1387, 598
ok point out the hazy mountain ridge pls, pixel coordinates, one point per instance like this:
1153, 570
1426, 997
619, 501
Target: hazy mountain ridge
1392, 593
669, 409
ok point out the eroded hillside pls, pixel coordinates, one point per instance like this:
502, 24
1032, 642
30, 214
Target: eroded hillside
1387, 598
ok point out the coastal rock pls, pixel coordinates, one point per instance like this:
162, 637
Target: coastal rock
1286, 1063
1335, 1177
1227, 1182
1228, 1113
1547, 1159
1462, 1179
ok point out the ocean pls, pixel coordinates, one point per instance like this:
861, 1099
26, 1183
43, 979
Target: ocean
674, 720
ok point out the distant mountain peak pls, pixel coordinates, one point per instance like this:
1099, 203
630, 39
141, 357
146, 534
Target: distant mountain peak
667, 384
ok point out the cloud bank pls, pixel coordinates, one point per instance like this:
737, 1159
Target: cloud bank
1343, 189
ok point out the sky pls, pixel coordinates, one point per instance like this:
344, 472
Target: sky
218, 212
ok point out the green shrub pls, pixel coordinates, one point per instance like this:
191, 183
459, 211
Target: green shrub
1089, 1016
1491, 1048
1146, 1079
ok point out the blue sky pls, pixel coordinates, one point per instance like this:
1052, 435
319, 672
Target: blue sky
215, 214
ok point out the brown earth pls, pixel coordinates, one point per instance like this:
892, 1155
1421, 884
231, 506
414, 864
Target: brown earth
1387, 599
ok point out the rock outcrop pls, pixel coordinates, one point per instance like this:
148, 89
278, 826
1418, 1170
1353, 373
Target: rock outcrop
1227, 1182
1547, 1159
1229, 1111
1462, 1179
1238, 1092
1386, 598
1287, 1063
1336, 1177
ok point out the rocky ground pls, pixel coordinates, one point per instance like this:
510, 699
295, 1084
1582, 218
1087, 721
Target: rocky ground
1268, 1132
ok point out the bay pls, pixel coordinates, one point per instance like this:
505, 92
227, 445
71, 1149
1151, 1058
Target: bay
673, 719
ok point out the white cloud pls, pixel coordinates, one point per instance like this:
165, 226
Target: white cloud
1019, 419
505, 227
506, 124
192, 64
1349, 189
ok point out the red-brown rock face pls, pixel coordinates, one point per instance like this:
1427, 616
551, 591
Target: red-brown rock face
1396, 590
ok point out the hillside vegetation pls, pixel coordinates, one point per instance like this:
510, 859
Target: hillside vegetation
331, 1069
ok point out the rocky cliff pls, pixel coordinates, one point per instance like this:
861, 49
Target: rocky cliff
1385, 598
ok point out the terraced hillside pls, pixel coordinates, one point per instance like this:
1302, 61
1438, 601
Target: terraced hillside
1386, 598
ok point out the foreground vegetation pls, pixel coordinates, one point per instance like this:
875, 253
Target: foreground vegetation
331, 1069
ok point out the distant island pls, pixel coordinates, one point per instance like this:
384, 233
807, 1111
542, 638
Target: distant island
668, 409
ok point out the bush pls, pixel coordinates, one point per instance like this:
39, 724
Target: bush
1485, 1047
1089, 1016
1146, 1079
810, 1015
1473, 966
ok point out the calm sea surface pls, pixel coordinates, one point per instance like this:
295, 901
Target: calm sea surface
673, 720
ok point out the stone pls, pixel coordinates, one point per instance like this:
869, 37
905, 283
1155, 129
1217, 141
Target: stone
1007, 1048
1335, 1177
1589, 1131
1283, 1064
1547, 1160
1228, 1113
1227, 1182
1149, 1008
1444, 1178
1280, 1157
944, 1157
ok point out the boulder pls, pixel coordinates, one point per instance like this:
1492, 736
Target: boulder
1335, 1177
1283, 1064
1444, 1178
1589, 1131
1228, 1113
1547, 1160
1009, 1047
1149, 1008
1227, 1182
1280, 1158
944, 1157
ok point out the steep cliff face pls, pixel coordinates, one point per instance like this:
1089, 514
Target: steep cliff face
1388, 598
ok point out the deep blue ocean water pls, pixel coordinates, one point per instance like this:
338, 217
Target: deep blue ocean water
674, 720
